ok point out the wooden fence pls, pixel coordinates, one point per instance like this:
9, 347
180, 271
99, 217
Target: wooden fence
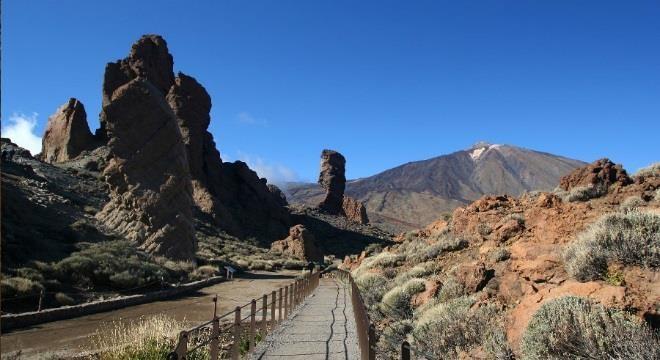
242, 334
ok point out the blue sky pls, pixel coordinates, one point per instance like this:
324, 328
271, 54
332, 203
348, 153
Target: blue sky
384, 82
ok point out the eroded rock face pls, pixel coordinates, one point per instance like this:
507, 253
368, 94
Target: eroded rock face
150, 59
67, 133
148, 174
601, 172
354, 210
300, 244
333, 180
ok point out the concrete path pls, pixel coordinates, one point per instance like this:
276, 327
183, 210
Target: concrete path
323, 327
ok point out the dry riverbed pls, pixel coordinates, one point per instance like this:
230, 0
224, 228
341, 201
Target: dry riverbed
71, 337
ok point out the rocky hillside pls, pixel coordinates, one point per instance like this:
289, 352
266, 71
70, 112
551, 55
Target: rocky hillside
572, 273
145, 200
414, 194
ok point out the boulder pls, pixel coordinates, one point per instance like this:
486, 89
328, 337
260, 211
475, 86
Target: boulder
300, 244
354, 210
67, 133
601, 172
148, 173
333, 180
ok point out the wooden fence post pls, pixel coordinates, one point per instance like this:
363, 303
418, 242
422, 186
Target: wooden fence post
372, 342
253, 321
215, 334
405, 351
279, 306
264, 316
291, 307
272, 309
235, 348
182, 345
286, 301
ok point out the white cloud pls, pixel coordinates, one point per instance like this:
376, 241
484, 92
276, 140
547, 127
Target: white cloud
246, 118
277, 174
20, 130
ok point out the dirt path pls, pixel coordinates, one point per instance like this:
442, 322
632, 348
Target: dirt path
322, 328
69, 337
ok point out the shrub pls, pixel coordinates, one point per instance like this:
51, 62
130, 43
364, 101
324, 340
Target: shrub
396, 302
64, 300
391, 337
449, 328
584, 193
631, 238
382, 260
372, 288
484, 229
444, 243
631, 203
146, 338
18, 286
500, 254
292, 264
576, 328
418, 271
450, 289
652, 170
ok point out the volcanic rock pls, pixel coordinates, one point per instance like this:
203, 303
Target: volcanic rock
354, 210
148, 174
149, 58
333, 180
601, 172
300, 244
67, 133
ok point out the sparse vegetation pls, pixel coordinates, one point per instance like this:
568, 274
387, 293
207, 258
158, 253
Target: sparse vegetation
631, 203
18, 286
147, 338
443, 243
584, 193
499, 254
372, 288
396, 302
652, 170
576, 328
631, 238
449, 328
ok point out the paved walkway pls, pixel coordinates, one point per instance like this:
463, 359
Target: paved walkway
323, 327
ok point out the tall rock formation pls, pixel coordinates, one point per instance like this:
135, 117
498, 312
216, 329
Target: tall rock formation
150, 191
148, 174
67, 133
332, 179
232, 194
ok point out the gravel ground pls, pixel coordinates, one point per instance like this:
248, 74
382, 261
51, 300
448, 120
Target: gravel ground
323, 327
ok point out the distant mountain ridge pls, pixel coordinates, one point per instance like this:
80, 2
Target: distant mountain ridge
416, 193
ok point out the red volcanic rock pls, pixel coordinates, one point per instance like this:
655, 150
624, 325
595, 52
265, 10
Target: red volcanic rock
150, 190
300, 244
354, 210
601, 172
67, 133
333, 180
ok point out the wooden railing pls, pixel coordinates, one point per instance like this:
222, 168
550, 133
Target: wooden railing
366, 331
242, 334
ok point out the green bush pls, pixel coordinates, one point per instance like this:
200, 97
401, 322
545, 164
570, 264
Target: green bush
396, 302
576, 328
450, 289
115, 265
631, 238
449, 328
